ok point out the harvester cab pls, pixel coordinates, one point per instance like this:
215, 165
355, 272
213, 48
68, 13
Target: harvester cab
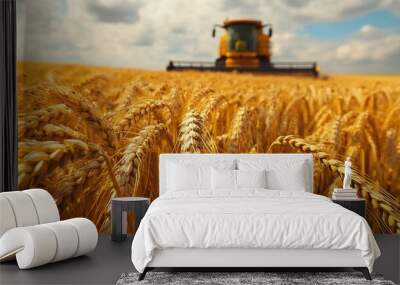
243, 43
245, 47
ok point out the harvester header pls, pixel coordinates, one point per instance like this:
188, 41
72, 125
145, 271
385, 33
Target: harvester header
245, 47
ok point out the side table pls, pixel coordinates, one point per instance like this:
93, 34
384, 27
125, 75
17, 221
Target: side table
355, 205
119, 208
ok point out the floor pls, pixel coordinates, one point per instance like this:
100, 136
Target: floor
103, 266
110, 260
389, 262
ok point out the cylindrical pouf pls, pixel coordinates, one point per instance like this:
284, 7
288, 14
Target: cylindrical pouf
34, 245
45, 205
87, 235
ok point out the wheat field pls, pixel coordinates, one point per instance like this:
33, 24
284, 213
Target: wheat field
87, 134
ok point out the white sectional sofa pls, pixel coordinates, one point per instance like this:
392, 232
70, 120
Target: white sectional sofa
31, 230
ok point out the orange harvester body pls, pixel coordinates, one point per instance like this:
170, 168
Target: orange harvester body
245, 47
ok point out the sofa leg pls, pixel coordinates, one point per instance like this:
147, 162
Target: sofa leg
143, 274
364, 271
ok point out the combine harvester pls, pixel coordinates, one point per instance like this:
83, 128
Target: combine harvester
244, 47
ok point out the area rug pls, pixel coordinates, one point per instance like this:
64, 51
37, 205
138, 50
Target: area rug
243, 278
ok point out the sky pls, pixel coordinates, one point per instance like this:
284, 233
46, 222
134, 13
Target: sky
352, 36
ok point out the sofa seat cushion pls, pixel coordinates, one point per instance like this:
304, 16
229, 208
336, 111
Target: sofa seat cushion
40, 244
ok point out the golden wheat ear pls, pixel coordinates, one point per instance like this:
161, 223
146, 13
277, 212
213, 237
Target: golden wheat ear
39, 158
242, 132
88, 111
57, 132
385, 205
193, 136
137, 113
134, 155
28, 123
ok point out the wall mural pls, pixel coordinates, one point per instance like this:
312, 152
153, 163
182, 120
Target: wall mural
89, 133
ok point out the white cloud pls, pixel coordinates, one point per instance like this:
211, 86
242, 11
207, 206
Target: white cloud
148, 33
327, 10
392, 5
371, 44
117, 11
367, 29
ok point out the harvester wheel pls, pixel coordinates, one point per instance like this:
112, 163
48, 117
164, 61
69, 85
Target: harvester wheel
264, 61
220, 62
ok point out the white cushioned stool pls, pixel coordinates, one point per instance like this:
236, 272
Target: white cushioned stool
31, 230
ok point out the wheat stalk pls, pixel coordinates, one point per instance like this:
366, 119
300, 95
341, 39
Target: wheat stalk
77, 179
377, 197
242, 130
41, 158
30, 122
56, 132
128, 173
193, 137
89, 111
94, 83
137, 113
198, 95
